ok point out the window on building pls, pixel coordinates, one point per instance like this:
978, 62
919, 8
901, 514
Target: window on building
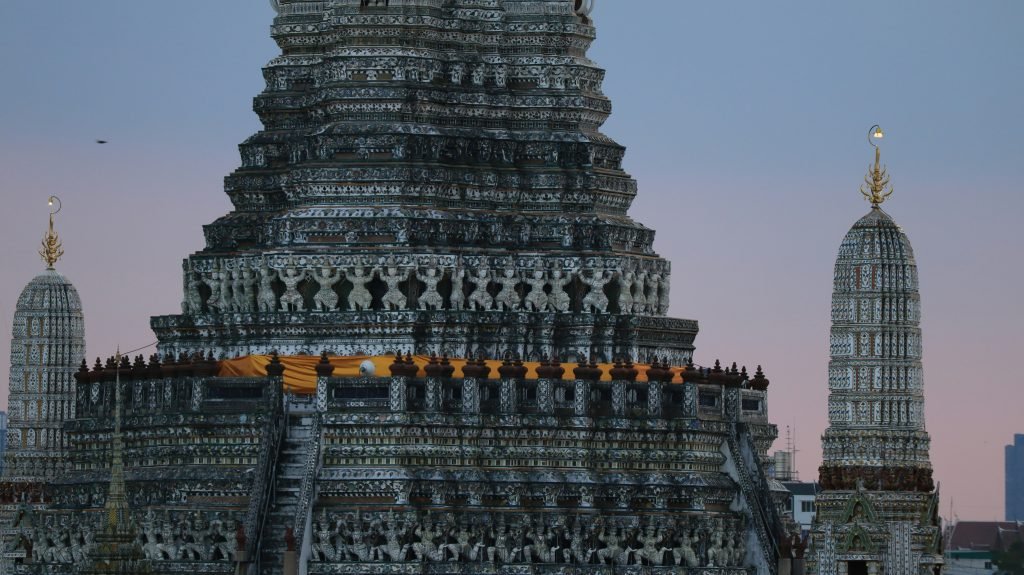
807, 507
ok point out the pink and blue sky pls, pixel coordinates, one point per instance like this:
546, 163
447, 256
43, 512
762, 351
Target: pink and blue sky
745, 123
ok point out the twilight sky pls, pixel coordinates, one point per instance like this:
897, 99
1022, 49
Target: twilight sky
745, 123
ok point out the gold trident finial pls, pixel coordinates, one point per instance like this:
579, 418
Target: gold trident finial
877, 188
52, 247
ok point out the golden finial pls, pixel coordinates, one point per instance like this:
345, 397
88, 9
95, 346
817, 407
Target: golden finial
52, 247
877, 188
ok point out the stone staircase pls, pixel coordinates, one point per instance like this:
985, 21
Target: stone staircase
754, 488
292, 468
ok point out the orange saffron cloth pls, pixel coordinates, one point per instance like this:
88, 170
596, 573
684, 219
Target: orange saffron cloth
300, 370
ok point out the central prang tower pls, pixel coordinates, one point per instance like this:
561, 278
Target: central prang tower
430, 177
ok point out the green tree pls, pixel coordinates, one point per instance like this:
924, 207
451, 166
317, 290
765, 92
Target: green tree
1010, 561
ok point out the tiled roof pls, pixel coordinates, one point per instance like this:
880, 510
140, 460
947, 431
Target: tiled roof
985, 535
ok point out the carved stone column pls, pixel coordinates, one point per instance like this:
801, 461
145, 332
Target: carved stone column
397, 393
511, 375
324, 370
545, 396
622, 375
471, 395
581, 398
654, 393
473, 372
547, 374
432, 401
619, 397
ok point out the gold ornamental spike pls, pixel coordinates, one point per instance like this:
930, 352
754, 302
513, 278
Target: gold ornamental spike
52, 247
876, 188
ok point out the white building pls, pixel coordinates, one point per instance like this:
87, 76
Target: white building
802, 502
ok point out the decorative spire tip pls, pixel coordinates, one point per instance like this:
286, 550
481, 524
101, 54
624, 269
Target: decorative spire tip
53, 249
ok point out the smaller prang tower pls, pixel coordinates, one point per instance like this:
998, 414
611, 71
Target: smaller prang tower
47, 343
878, 510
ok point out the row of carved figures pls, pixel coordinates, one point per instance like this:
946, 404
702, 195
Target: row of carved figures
390, 540
182, 540
250, 290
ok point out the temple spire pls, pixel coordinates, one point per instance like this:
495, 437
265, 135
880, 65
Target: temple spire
52, 247
877, 188
117, 503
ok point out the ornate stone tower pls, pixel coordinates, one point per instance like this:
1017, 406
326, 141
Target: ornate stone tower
878, 509
430, 177
48, 342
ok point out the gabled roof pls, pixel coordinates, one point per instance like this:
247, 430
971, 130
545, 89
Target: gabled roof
985, 535
802, 487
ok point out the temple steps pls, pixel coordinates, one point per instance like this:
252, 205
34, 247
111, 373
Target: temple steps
287, 490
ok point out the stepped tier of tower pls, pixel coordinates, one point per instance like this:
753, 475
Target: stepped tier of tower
439, 164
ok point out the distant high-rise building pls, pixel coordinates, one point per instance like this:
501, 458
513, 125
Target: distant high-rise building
783, 465
1015, 479
3, 439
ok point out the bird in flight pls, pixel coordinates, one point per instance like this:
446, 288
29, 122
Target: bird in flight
101, 141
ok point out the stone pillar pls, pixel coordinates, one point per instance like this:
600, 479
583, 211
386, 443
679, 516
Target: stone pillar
397, 393
581, 398
432, 401
654, 393
471, 395
622, 375
511, 374
324, 370
619, 397
473, 372
545, 396
547, 374
438, 371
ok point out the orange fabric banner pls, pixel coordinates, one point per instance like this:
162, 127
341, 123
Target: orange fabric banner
300, 370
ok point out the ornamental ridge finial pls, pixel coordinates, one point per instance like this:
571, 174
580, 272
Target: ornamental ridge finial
52, 247
877, 188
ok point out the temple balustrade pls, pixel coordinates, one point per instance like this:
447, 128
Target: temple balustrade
576, 399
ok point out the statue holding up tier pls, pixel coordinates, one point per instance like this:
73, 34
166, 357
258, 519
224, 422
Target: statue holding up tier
359, 298
458, 297
640, 293
625, 292
508, 298
213, 303
663, 295
291, 297
613, 551
226, 304
266, 299
596, 300
559, 300
654, 291
652, 552
326, 299
480, 299
537, 299
716, 553
684, 553
394, 299
322, 549
193, 301
430, 298
248, 291
237, 291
